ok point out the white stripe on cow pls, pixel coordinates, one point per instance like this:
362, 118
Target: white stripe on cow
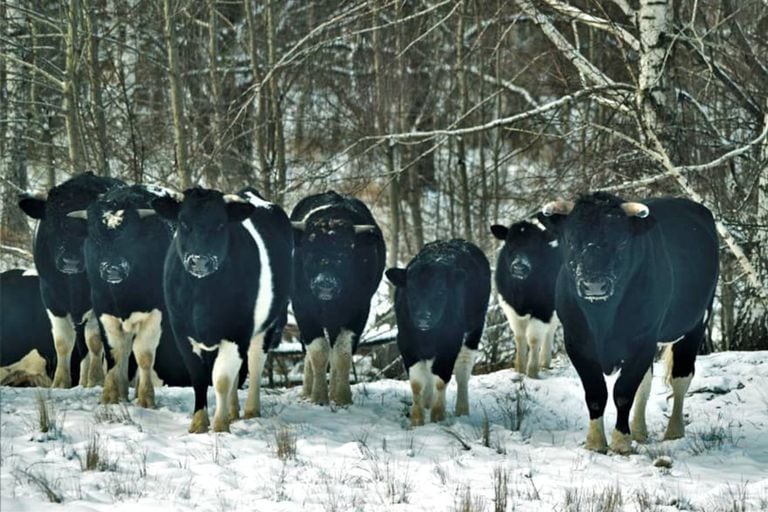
314, 211
30, 272
265, 296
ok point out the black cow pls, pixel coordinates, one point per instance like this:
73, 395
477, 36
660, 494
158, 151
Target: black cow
634, 275
338, 264
124, 255
227, 278
24, 326
526, 270
64, 287
440, 303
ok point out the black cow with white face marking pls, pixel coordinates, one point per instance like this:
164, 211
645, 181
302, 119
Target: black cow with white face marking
526, 271
64, 286
440, 303
124, 256
24, 327
228, 273
338, 265
633, 275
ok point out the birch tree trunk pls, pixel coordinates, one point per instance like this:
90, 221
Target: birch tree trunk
275, 111
177, 100
70, 87
212, 168
461, 163
94, 79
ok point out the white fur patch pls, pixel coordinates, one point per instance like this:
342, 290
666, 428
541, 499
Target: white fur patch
113, 219
318, 209
256, 359
671, 342
225, 370
257, 201
265, 294
421, 373
462, 369
198, 347
30, 272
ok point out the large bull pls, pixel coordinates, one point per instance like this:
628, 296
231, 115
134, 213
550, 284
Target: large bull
338, 265
634, 275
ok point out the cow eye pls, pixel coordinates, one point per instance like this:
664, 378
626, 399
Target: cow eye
184, 226
312, 237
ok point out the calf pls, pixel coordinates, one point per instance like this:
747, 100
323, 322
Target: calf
124, 254
338, 265
24, 326
440, 303
64, 287
634, 275
525, 276
227, 278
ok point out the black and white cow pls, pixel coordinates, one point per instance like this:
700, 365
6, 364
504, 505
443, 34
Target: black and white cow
228, 275
58, 253
338, 265
633, 275
24, 327
124, 256
526, 270
440, 303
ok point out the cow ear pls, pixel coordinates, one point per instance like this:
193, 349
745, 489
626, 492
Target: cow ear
396, 276
166, 207
238, 212
552, 223
643, 225
499, 231
32, 206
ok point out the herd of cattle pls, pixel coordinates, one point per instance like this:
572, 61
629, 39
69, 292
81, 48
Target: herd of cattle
194, 284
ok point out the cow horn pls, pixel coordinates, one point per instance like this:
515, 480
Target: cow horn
234, 198
636, 210
78, 214
301, 226
559, 207
145, 212
364, 228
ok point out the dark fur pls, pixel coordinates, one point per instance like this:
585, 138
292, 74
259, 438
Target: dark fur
24, 325
140, 245
357, 269
220, 306
447, 286
665, 269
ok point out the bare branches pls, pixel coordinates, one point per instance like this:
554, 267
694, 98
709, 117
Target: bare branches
577, 14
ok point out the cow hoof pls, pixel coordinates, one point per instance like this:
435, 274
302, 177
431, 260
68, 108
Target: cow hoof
146, 402
251, 414
437, 415
220, 425
639, 435
621, 443
417, 416
199, 423
343, 398
61, 381
671, 435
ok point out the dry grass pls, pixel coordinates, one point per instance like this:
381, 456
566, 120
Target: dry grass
96, 456
466, 502
500, 489
42, 482
607, 499
285, 443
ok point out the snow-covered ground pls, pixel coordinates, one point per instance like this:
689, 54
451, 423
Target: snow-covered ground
367, 458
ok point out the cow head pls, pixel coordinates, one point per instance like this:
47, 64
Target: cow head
428, 289
598, 236
114, 229
525, 244
203, 219
327, 254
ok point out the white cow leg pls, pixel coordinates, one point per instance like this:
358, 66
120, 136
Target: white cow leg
341, 363
93, 372
462, 369
519, 325
116, 381
309, 377
256, 359
596, 441
438, 402
225, 372
676, 425
545, 355
63, 330
421, 379
638, 427
317, 352
148, 333
537, 333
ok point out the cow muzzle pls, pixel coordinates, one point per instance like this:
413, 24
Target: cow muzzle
520, 267
595, 288
200, 265
69, 264
424, 321
114, 272
325, 286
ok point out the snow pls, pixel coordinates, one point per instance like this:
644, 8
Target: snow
365, 457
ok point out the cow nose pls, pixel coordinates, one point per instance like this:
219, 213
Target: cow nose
114, 272
69, 265
200, 265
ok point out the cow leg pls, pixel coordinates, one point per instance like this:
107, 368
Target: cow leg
518, 324
462, 368
256, 357
595, 395
92, 373
681, 361
437, 412
422, 383
116, 381
199, 376
545, 355
225, 372
144, 349
537, 333
309, 377
632, 374
638, 428
63, 331
341, 363
317, 353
